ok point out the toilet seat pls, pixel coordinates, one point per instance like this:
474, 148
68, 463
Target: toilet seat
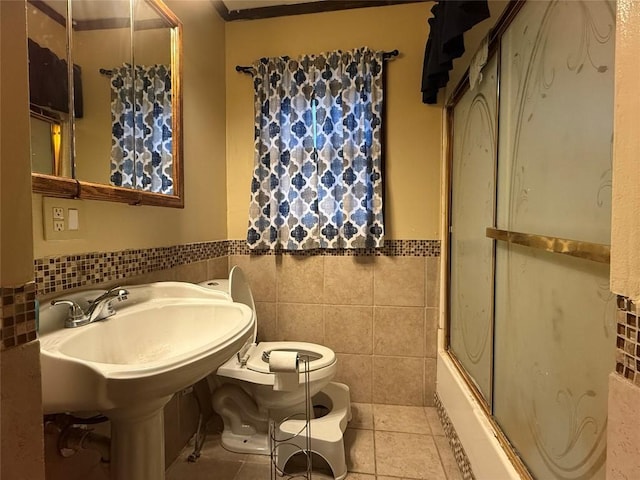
249, 364
257, 362
256, 369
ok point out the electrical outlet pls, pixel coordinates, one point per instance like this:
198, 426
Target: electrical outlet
58, 213
62, 218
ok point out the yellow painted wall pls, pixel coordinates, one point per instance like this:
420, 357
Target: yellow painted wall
21, 438
625, 212
413, 129
112, 226
16, 254
46, 32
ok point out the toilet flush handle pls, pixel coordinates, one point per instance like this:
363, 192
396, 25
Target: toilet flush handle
243, 355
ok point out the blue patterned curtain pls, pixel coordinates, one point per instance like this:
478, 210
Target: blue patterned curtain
141, 141
317, 180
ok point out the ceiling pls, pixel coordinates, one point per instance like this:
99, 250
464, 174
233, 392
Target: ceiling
245, 4
231, 10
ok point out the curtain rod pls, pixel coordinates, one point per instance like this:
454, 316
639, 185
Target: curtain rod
385, 56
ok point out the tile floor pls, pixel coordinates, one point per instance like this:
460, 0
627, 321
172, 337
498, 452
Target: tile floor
383, 442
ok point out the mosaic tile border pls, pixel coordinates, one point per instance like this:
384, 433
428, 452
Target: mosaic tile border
54, 274
392, 248
72, 271
18, 315
628, 339
454, 441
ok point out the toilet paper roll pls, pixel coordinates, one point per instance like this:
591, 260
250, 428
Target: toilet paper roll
282, 361
284, 365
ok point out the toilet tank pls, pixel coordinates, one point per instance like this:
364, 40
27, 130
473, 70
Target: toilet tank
218, 284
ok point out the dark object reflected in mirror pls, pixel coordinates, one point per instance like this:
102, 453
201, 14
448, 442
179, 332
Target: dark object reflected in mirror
127, 145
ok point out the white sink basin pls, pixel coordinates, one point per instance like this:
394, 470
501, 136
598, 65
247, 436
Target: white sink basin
163, 338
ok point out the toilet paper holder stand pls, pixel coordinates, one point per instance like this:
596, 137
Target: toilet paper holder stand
276, 441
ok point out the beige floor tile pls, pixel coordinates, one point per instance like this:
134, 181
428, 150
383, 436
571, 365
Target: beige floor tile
361, 476
361, 416
448, 460
407, 455
204, 469
359, 450
396, 418
434, 421
252, 471
248, 458
213, 450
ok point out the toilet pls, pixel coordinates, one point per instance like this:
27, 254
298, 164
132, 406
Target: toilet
248, 395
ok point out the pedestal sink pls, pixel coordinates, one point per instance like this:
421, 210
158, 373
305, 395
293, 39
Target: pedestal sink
165, 337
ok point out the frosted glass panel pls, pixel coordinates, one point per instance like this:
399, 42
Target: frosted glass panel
554, 315
554, 350
556, 96
472, 211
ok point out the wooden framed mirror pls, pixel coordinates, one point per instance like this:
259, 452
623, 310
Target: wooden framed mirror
122, 125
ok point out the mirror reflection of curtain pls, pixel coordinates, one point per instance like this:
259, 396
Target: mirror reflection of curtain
317, 181
141, 136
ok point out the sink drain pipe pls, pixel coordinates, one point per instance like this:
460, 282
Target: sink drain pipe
74, 435
76, 438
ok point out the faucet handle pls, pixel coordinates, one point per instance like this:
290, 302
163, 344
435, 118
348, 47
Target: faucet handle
76, 317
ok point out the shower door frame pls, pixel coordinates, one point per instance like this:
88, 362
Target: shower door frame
586, 250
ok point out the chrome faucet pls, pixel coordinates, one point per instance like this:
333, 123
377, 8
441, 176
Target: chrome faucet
98, 309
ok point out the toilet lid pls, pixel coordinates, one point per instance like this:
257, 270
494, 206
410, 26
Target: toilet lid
241, 292
320, 356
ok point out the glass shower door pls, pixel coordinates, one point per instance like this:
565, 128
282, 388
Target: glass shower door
472, 210
531, 315
554, 314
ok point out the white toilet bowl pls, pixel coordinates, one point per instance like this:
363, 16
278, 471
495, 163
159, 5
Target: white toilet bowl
259, 382
247, 394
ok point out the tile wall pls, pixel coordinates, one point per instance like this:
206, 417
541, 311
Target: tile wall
377, 309
378, 313
628, 340
459, 454
18, 315
623, 424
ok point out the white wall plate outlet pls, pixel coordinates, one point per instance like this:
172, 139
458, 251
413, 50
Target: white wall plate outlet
58, 213
63, 218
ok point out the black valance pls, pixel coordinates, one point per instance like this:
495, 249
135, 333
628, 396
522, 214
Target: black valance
48, 81
451, 18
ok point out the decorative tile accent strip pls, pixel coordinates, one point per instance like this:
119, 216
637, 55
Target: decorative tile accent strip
392, 248
628, 339
18, 315
73, 271
54, 274
458, 450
